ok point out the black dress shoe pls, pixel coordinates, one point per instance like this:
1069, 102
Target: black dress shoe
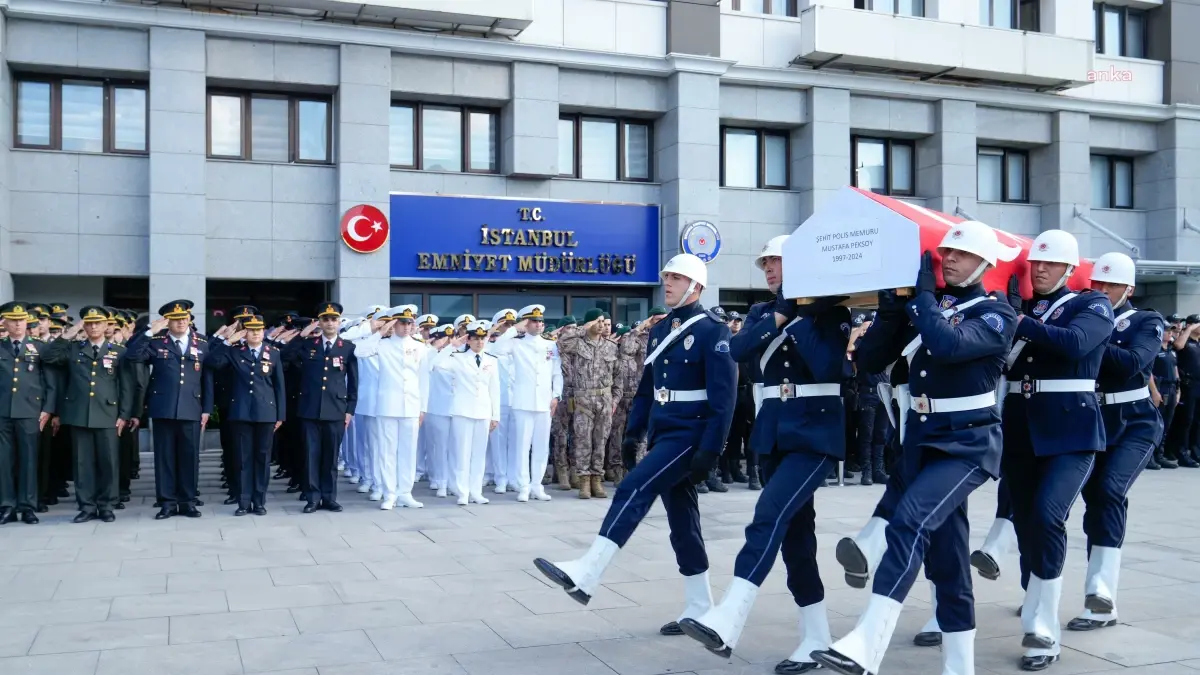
553, 573
706, 636
1166, 462
1034, 663
1035, 641
199, 502
135, 475
107, 517
787, 667
230, 501
280, 474
260, 510
293, 489
928, 639
189, 512
83, 517
671, 628
63, 493
157, 504
851, 558
164, 513
7, 516
125, 498
42, 508
837, 663
1187, 461
986, 565
224, 485
309, 508
29, 518
1082, 624
52, 500
239, 512
120, 506
333, 506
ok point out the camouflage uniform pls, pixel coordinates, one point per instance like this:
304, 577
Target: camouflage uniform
560, 423
595, 387
629, 374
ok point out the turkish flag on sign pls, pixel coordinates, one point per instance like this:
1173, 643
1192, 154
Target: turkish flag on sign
934, 225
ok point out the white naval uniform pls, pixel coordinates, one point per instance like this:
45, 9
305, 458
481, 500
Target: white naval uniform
403, 392
474, 404
355, 437
537, 380
437, 423
501, 462
367, 426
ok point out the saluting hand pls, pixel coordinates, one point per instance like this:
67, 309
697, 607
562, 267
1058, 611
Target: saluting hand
926, 278
236, 337
158, 325
70, 333
1014, 293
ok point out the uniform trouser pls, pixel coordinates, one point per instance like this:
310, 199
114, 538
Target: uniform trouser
398, 454
294, 448
560, 427
1043, 489
252, 444
737, 444
422, 452
19, 463
663, 473
176, 461
865, 440
348, 450
1105, 501
932, 513
503, 462
591, 423
96, 462
468, 439
1170, 395
1004, 507
1183, 426
127, 460
785, 517
321, 441
436, 430
229, 457
370, 443
47, 473
893, 491
530, 430
616, 434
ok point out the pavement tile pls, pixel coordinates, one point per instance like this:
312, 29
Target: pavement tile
78, 589
83, 663
82, 637
1128, 645
264, 560
311, 574
172, 565
549, 629
450, 609
306, 651
209, 658
232, 626
282, 597
435, 639
443, 664
168, 604
485, 582
637, 656
550, 660
329, 619
16, 640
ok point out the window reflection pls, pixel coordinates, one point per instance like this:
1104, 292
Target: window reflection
33, 113
129, 119
483, 141
83, 117
566, 147
741, 158
870, 174
637, 151
599, 155
313, 131
441, 139
269, 129
225, 124
448, 307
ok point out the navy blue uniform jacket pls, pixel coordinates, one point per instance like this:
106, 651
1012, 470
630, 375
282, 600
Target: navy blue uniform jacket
328, 383
1128, 358
813, 351
962, 355
256, 391
1068, 345
698, 359
180, 386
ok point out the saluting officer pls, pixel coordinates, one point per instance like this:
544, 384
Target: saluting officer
685, 401
97, 401
25, 410
1053, 428
180, 400
222, 390
1166, 382
328, 394
256, 407
955, 344
1132, 429
473, 378
800, 437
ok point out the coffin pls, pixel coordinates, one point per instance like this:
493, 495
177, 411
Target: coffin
859, 242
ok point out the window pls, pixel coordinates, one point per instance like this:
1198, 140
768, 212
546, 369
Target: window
901, 7
776, 7
754, 158
1018, 14
883, 166
81, 115
1112, 182
443, 138
602, 148
1120, 31
270, 127
1003, 175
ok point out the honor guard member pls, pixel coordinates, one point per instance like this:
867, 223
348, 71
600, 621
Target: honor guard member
955, 343
1132, 429
222, 385
257, 407
473, 376
97, 398
328, 395
536, 393
1166, 381
25, 409
502, 468
800, 437
180, 399
684, 404
1053, 428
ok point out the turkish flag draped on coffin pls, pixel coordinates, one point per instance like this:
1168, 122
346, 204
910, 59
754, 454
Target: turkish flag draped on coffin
859, 241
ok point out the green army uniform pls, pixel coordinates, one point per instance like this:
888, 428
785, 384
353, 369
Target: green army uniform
31, 394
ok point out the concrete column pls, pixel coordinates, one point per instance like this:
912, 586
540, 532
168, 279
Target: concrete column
178, 118
1060, 177
687, 154
529, 133
364, 175
946, 160
821, 149
6, 120
1167, 186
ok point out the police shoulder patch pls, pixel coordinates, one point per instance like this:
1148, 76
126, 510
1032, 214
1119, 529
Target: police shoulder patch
846, 329
994, 321
722, 347
1101, 308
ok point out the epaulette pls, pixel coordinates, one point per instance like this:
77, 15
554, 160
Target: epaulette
418, 338
201, 338
490, 354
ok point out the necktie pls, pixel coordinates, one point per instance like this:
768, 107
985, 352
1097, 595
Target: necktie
328, 346
16, 349
95, 352
478, 361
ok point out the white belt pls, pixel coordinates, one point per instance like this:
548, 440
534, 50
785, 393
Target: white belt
665, 395
924, 404
1127, 396
1052, 386
786, 391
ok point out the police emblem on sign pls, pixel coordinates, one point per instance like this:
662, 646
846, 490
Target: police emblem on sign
1123, 324
689, 341
956, 319
1057, 313
1041, 307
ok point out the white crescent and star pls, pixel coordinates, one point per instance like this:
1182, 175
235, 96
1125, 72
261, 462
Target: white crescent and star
351, 228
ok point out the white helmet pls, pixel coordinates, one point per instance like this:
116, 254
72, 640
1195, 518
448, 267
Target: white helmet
1056, 246
773, 248
1115, 268
977, 238
690, 266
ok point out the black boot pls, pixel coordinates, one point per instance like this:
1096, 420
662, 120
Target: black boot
877, 465
738, 476
1165, 462
753, 480
864, 454
1152, 463
726, 476
1186, 459
714, 483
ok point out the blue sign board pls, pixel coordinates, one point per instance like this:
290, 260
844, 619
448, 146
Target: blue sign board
491, 239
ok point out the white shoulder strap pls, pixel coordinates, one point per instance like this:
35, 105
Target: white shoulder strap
1124, 315
774, 345
672, 336
1020, 344
911, 348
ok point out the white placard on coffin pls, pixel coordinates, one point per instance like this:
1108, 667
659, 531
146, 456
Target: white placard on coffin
852, 244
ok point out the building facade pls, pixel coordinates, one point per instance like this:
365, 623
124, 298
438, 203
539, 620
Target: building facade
209, 151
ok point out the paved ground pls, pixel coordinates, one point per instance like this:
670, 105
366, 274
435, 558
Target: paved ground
451, 590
